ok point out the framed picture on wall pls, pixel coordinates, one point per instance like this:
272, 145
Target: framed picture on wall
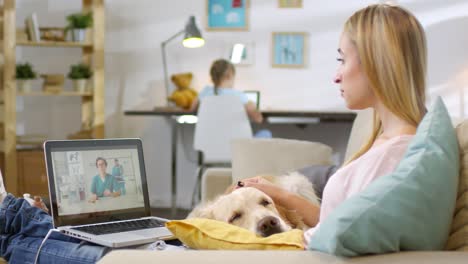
289, 49
227, 15
290, 3
242, 53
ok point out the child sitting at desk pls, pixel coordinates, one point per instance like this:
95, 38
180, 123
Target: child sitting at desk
222, 74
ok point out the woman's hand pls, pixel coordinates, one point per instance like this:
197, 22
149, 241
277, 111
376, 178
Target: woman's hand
263, 185
250, 182
40, 204
107, 192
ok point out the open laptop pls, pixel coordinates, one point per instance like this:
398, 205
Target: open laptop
253, 96
120, 216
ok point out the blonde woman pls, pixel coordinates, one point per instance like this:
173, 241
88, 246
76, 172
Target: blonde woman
382, 56
382, 65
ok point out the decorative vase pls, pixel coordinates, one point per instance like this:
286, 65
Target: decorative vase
78, 34
24, 85
80, 85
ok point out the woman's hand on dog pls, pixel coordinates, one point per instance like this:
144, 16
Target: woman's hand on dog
263, 185
255, 180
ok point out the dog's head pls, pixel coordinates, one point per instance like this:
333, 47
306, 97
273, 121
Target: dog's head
248, 208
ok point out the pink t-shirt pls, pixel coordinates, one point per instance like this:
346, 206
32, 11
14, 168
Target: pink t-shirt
358, 174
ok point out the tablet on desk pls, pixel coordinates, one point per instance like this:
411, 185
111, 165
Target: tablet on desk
253, 96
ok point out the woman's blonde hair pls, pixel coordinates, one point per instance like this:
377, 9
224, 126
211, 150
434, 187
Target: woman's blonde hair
391, 44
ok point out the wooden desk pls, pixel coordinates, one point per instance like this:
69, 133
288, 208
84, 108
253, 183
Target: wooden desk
323, 116
295, 117
102, 204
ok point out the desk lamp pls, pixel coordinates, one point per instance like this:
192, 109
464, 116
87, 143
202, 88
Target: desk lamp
192, 39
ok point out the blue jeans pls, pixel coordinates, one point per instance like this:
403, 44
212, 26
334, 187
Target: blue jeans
22, 229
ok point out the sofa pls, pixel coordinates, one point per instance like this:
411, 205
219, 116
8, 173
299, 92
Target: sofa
251, 157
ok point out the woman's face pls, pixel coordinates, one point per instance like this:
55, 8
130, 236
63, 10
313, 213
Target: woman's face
354, 85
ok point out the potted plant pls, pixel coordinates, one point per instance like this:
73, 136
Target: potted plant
78, 23
80, 74
24, 75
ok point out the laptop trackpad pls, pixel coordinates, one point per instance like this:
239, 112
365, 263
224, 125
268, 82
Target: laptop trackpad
146, 235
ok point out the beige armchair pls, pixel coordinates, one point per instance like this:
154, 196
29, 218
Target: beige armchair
251, 157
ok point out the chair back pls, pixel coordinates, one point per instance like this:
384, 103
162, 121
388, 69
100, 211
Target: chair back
220, 120
275, 156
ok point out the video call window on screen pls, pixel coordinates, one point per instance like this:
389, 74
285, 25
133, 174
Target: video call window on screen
97, 180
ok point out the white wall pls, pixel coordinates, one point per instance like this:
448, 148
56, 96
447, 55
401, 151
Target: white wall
134, 79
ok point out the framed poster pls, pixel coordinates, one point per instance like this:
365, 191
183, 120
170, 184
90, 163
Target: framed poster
290, 3
288, 49
242, 53
227, 14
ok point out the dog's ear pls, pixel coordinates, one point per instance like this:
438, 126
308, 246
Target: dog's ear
202, 211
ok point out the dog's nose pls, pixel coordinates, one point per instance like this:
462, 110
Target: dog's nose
268, 226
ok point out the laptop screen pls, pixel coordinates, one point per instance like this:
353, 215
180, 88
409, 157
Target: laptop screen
254, 96
96, 179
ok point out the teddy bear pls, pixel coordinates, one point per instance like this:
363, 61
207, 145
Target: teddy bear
184, 95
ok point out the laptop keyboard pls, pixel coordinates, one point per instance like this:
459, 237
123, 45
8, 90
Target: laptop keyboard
109, 228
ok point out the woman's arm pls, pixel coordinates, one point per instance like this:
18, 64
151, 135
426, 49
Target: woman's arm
253, 113
309, 212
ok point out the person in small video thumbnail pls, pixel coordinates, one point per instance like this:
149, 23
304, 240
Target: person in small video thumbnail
118, 173
103, 184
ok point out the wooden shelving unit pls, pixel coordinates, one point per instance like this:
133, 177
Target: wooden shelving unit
64, 93
17, 163
61, 44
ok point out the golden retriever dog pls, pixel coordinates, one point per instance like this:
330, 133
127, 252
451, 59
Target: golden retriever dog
250, 208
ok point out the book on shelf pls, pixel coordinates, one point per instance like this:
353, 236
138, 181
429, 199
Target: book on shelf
32, 27
28, 25
36, 27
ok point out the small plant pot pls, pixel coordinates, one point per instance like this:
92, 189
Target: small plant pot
24, 85
78, 34
80, 85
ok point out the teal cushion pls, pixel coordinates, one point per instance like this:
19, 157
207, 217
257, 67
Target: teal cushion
409, 209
